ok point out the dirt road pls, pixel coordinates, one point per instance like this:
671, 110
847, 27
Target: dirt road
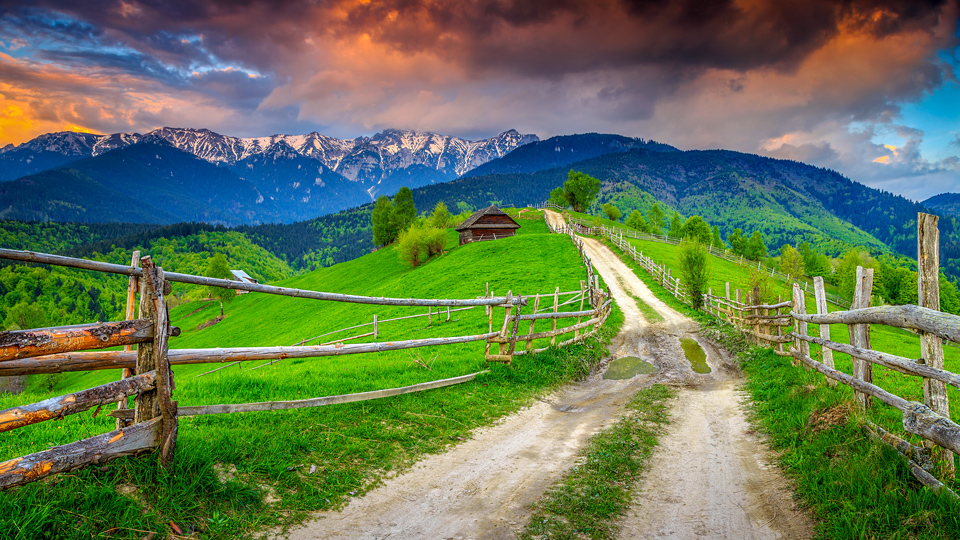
483, 488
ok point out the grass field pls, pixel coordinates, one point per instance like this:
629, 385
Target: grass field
235, 474
855, 487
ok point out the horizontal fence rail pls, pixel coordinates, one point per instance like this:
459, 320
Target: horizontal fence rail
614, 233
929, 420
147, 371
59, 260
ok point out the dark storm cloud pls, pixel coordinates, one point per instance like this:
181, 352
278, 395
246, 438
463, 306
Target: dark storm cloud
696, 33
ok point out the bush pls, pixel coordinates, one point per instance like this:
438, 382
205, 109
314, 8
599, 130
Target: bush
694, 271
418, 243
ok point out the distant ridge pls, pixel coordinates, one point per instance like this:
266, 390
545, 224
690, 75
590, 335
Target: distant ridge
367, 160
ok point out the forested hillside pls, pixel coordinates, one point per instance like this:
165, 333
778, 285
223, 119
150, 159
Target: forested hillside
35, 296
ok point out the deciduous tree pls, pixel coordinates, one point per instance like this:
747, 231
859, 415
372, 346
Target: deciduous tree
612, 212
217, 267
580, 190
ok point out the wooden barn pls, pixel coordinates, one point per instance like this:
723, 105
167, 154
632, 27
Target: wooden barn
491, 223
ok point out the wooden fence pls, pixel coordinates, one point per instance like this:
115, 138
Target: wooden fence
148, 376
785, 324
617, 234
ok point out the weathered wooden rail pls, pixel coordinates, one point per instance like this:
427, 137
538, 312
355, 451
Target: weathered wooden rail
929, 420
148, 375
617, 235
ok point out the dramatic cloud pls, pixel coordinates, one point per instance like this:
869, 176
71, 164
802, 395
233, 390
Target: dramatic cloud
818, 81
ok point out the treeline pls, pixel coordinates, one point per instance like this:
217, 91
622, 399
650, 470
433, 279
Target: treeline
418, 238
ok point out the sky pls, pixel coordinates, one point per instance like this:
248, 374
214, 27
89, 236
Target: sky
865, 87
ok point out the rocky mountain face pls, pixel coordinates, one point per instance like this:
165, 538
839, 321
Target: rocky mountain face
366, 160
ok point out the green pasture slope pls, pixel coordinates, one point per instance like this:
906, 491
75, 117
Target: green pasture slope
269, 455
856, 488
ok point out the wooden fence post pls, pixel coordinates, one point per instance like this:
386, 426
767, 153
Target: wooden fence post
739, 315
800, 327
576, 333
153, 356
132, 286
502, 346
779, 328
533, 322
820, 294
756, 311
375, 332
860, 333
429, 316
488, 308
556, 305
931, 347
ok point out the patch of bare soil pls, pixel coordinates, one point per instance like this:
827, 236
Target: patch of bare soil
13, 385
483, 488
210, 323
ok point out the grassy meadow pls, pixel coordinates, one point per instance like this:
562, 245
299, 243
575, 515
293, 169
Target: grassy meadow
855, 487
239, 473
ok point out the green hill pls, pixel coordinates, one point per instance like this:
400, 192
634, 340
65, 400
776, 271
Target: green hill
348, 445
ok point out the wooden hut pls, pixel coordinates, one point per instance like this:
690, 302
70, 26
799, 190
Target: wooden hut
491, 223
240, 275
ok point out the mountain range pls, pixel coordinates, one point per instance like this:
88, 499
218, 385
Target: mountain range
170, 176
262, 179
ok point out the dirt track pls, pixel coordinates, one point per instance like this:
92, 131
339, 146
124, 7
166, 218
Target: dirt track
707, 478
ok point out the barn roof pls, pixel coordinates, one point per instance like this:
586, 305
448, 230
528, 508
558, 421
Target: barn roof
491, 210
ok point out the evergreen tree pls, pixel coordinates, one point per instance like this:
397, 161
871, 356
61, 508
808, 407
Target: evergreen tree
383, 221
717, 241
676, 226
636, 221
755, 249
655, 220
405, 212
737, 241
580, 190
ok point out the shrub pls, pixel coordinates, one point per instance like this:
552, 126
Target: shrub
694, 271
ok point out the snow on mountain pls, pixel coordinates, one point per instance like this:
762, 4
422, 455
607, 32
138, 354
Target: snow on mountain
367, 160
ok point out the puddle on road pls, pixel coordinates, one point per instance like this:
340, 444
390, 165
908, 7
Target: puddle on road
694, 353
627, 367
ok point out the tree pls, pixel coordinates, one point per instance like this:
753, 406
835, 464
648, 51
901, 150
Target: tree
580, 190
558, 197
656, 219
791, 263
383, 221
676, 227
717, 241
737, 241
24, 316
755, 249
814, 264
613, 213
217, 267
696, 229
847, 272
419, 242
440, 217
636, 221
405, 212
694, 271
